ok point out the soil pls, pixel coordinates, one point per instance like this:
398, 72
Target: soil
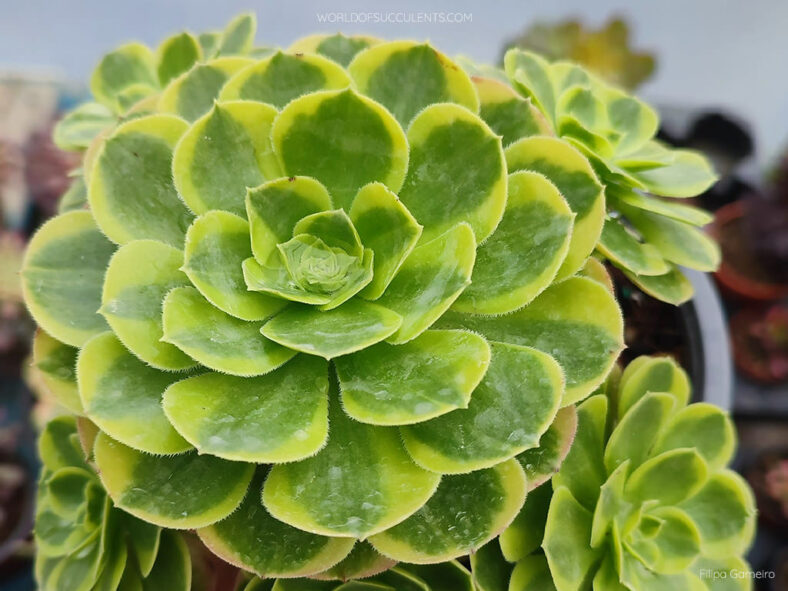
652, 327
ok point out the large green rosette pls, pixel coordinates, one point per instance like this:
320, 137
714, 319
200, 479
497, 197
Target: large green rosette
644, 501
304, 307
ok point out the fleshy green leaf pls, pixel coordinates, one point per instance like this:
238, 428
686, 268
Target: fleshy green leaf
529, 74
149, 207
176, 55
192, 94
574, 177
652, 374
724, 511
583, 471
76, 130
678, 242
634, 435
672, 287
566, 542
209, 43
444, 576
457, 172
77, 573
338, 47
312, 585
541, 462
676, 211
254, 541
523, 255
224, 152
631, 119
611, 508
362, 562
576, 321
351, 327
58, 445
160, 489
673, 547
277, 279
622, 247
217, 243
426, 377
635, 575
144, 539
238, 35
386, 226
669, 478
130, 65
384, 70
430, 280
173, 567
75, 197
114, 562
57, 363
62, 274
508, 413
596, 270
274, 208
525, 533
254, 419
334, 228
465, 513
282, 77
688, 175
344, 140
140, 274
582, 116
704, 427
491, 571
533, 574
361, 483
508, 114
217, 340
122, 395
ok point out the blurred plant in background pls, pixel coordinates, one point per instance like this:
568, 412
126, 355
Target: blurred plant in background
33, 175
605, 51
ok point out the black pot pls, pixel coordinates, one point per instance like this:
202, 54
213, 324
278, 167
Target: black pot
695, 334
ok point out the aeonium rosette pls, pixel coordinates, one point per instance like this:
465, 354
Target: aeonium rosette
309, 308
643, 501
648, 232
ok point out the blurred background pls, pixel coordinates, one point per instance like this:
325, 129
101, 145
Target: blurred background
715, 69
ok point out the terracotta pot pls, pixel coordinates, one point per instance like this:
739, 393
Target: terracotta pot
760, 343
735, 279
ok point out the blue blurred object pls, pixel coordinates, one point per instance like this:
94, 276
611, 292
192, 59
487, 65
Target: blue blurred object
15, 404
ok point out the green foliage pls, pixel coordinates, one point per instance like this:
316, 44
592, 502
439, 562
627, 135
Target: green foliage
84, 542
605, 51
645, 231
300, 305
643, 501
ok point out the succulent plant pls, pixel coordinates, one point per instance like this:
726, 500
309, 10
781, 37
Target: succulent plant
644, 500
323, 322
605, 52
83, 541
647, 233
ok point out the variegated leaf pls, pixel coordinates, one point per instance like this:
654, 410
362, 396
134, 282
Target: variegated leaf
161, 489
254, 419
509, 411
62, 275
